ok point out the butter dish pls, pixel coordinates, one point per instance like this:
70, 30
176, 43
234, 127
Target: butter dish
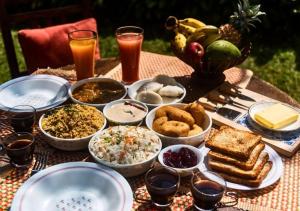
275, 116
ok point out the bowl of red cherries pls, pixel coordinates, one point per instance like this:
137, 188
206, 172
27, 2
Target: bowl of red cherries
181, 157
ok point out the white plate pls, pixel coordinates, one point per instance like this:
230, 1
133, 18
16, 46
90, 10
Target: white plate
257, 107
74, 186
132, 92
40, 91
274, 174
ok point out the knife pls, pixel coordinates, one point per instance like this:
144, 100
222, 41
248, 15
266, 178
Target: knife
228, 88
223, 111
218, 97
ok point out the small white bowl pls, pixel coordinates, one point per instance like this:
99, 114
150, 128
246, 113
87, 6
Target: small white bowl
175, 148
113, 122
132, 92
99, 80
127, 170
195, 140
68, 144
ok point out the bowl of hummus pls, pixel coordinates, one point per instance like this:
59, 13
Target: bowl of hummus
125, 112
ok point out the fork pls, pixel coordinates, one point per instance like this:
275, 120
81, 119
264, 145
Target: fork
41, 160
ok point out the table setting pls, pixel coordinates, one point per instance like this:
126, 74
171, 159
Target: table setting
154, 132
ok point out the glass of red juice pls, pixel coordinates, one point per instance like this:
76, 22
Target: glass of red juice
162, 184
130, 39
22, 118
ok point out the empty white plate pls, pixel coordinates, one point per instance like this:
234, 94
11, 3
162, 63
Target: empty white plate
40, 91
74, 186
259, 106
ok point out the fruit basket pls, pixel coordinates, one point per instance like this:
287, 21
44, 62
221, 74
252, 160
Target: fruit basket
209, 49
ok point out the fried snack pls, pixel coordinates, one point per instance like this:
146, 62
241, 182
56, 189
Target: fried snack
197, 111
175, 128
195, 130
157, 123
176, 114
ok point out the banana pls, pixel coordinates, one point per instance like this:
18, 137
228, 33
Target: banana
192, 22
208, 29
185, 29
171, 23
179, 42
209, 39
197, 36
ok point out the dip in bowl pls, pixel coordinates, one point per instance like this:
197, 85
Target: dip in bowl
125, 112
97, 91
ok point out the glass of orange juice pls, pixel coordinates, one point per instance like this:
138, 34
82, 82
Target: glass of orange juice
83, 45
130, 39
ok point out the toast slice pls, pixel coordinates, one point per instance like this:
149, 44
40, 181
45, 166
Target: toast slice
235, 143
245, 165
236, 171
250, 182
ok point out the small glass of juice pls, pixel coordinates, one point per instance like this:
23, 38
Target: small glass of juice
83, 45
130, 39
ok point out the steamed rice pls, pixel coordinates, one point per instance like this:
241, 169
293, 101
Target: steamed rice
125, 145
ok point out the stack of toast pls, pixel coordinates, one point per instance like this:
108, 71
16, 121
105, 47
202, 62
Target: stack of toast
238, 156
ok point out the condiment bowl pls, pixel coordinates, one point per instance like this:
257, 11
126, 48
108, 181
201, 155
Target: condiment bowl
125, 112
114, 146
133, 88
175, 148
107, 83
68, 144
195, 140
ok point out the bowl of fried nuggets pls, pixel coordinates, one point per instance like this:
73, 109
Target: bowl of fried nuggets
180, 123
238, 156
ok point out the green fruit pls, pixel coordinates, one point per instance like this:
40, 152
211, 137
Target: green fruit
222, 50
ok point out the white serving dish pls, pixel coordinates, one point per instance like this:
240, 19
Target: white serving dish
132, 92
195, 140
115, 122
274, 174
259, 106
175, 148
39, 91
127, 170
69, 144
74, 186
81, 82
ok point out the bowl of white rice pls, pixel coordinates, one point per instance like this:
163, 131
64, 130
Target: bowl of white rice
130, 150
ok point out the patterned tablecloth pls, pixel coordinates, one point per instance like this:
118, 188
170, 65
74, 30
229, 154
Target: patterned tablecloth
283, 195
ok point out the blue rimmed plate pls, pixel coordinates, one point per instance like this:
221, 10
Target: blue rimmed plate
74, 186
40, 91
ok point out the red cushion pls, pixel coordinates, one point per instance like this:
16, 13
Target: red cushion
49, 47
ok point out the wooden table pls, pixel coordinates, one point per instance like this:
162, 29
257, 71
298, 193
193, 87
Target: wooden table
283, 195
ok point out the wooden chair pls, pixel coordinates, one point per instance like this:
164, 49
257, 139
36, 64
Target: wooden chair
34, 19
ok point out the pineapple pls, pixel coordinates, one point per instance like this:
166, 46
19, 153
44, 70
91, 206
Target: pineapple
240, 22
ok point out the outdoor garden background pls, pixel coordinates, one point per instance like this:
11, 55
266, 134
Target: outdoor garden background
275, 56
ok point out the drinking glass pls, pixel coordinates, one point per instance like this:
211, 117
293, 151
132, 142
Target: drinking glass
83, 45
22, 118
130, 39
208, 189
162, 184
19, 148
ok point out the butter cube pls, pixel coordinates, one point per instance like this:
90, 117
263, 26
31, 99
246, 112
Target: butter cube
276, 116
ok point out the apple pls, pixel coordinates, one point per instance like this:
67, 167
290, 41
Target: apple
194, 52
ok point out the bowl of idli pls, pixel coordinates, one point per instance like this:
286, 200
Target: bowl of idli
160, 90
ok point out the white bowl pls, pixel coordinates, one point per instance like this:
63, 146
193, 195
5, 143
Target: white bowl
113, 122
132, 92
99, 80
195, 140
175, 148
127, 170
68, 144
